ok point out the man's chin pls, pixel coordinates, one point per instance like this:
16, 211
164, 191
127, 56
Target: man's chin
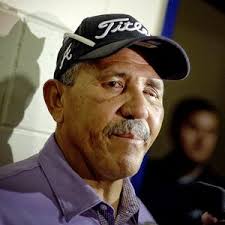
116, 177
126, 170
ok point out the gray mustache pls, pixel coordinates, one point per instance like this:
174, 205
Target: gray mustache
135, 127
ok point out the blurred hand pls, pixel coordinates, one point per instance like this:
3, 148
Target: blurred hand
208, 219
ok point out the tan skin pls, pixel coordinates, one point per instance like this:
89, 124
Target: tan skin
118, 87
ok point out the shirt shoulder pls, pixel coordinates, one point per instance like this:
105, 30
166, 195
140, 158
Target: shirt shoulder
18, 170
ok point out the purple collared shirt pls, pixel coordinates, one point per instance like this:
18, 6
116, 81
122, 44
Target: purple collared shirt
45, 190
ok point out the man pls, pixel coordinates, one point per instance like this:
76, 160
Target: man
107, 100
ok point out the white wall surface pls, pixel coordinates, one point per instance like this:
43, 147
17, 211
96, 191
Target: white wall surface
30, 36
69, 13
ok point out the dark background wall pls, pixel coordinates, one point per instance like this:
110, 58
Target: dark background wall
200, 29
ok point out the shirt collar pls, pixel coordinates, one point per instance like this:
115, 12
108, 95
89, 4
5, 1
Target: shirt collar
129, 204
72, 192
128, 197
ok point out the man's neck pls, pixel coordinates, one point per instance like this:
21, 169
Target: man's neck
108, 191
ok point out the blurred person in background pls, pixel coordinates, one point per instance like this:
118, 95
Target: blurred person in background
170, 189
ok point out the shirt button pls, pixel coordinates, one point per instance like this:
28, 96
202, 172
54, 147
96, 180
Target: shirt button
103, 207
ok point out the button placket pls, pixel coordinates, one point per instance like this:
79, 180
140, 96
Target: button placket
105, 214
103, 207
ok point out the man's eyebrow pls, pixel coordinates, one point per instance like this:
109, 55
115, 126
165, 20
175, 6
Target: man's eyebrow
156, 82
110, 73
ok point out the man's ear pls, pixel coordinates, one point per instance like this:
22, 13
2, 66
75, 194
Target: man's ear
53, 93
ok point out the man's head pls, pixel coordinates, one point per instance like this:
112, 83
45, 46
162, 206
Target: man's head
195, 128
107, 100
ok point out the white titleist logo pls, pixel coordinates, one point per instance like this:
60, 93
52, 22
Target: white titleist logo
67, 55
119, 25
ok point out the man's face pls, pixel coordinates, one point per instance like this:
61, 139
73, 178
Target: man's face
199, 136
113, 113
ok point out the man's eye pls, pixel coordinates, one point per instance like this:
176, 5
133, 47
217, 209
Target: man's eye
115, 84
151, 93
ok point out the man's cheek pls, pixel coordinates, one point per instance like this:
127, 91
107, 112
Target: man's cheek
158, 119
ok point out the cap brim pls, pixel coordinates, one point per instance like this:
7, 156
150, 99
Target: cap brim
167, 57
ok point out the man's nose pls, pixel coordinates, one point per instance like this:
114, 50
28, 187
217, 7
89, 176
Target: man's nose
136, 106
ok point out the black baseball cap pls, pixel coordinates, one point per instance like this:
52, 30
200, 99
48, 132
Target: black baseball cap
103, 35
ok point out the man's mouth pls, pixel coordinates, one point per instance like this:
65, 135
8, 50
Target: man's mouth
128, 136
135, 130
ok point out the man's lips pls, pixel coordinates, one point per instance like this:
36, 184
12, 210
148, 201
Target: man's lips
128, 136
135, 130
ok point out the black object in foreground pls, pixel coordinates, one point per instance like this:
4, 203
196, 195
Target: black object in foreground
209, 198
